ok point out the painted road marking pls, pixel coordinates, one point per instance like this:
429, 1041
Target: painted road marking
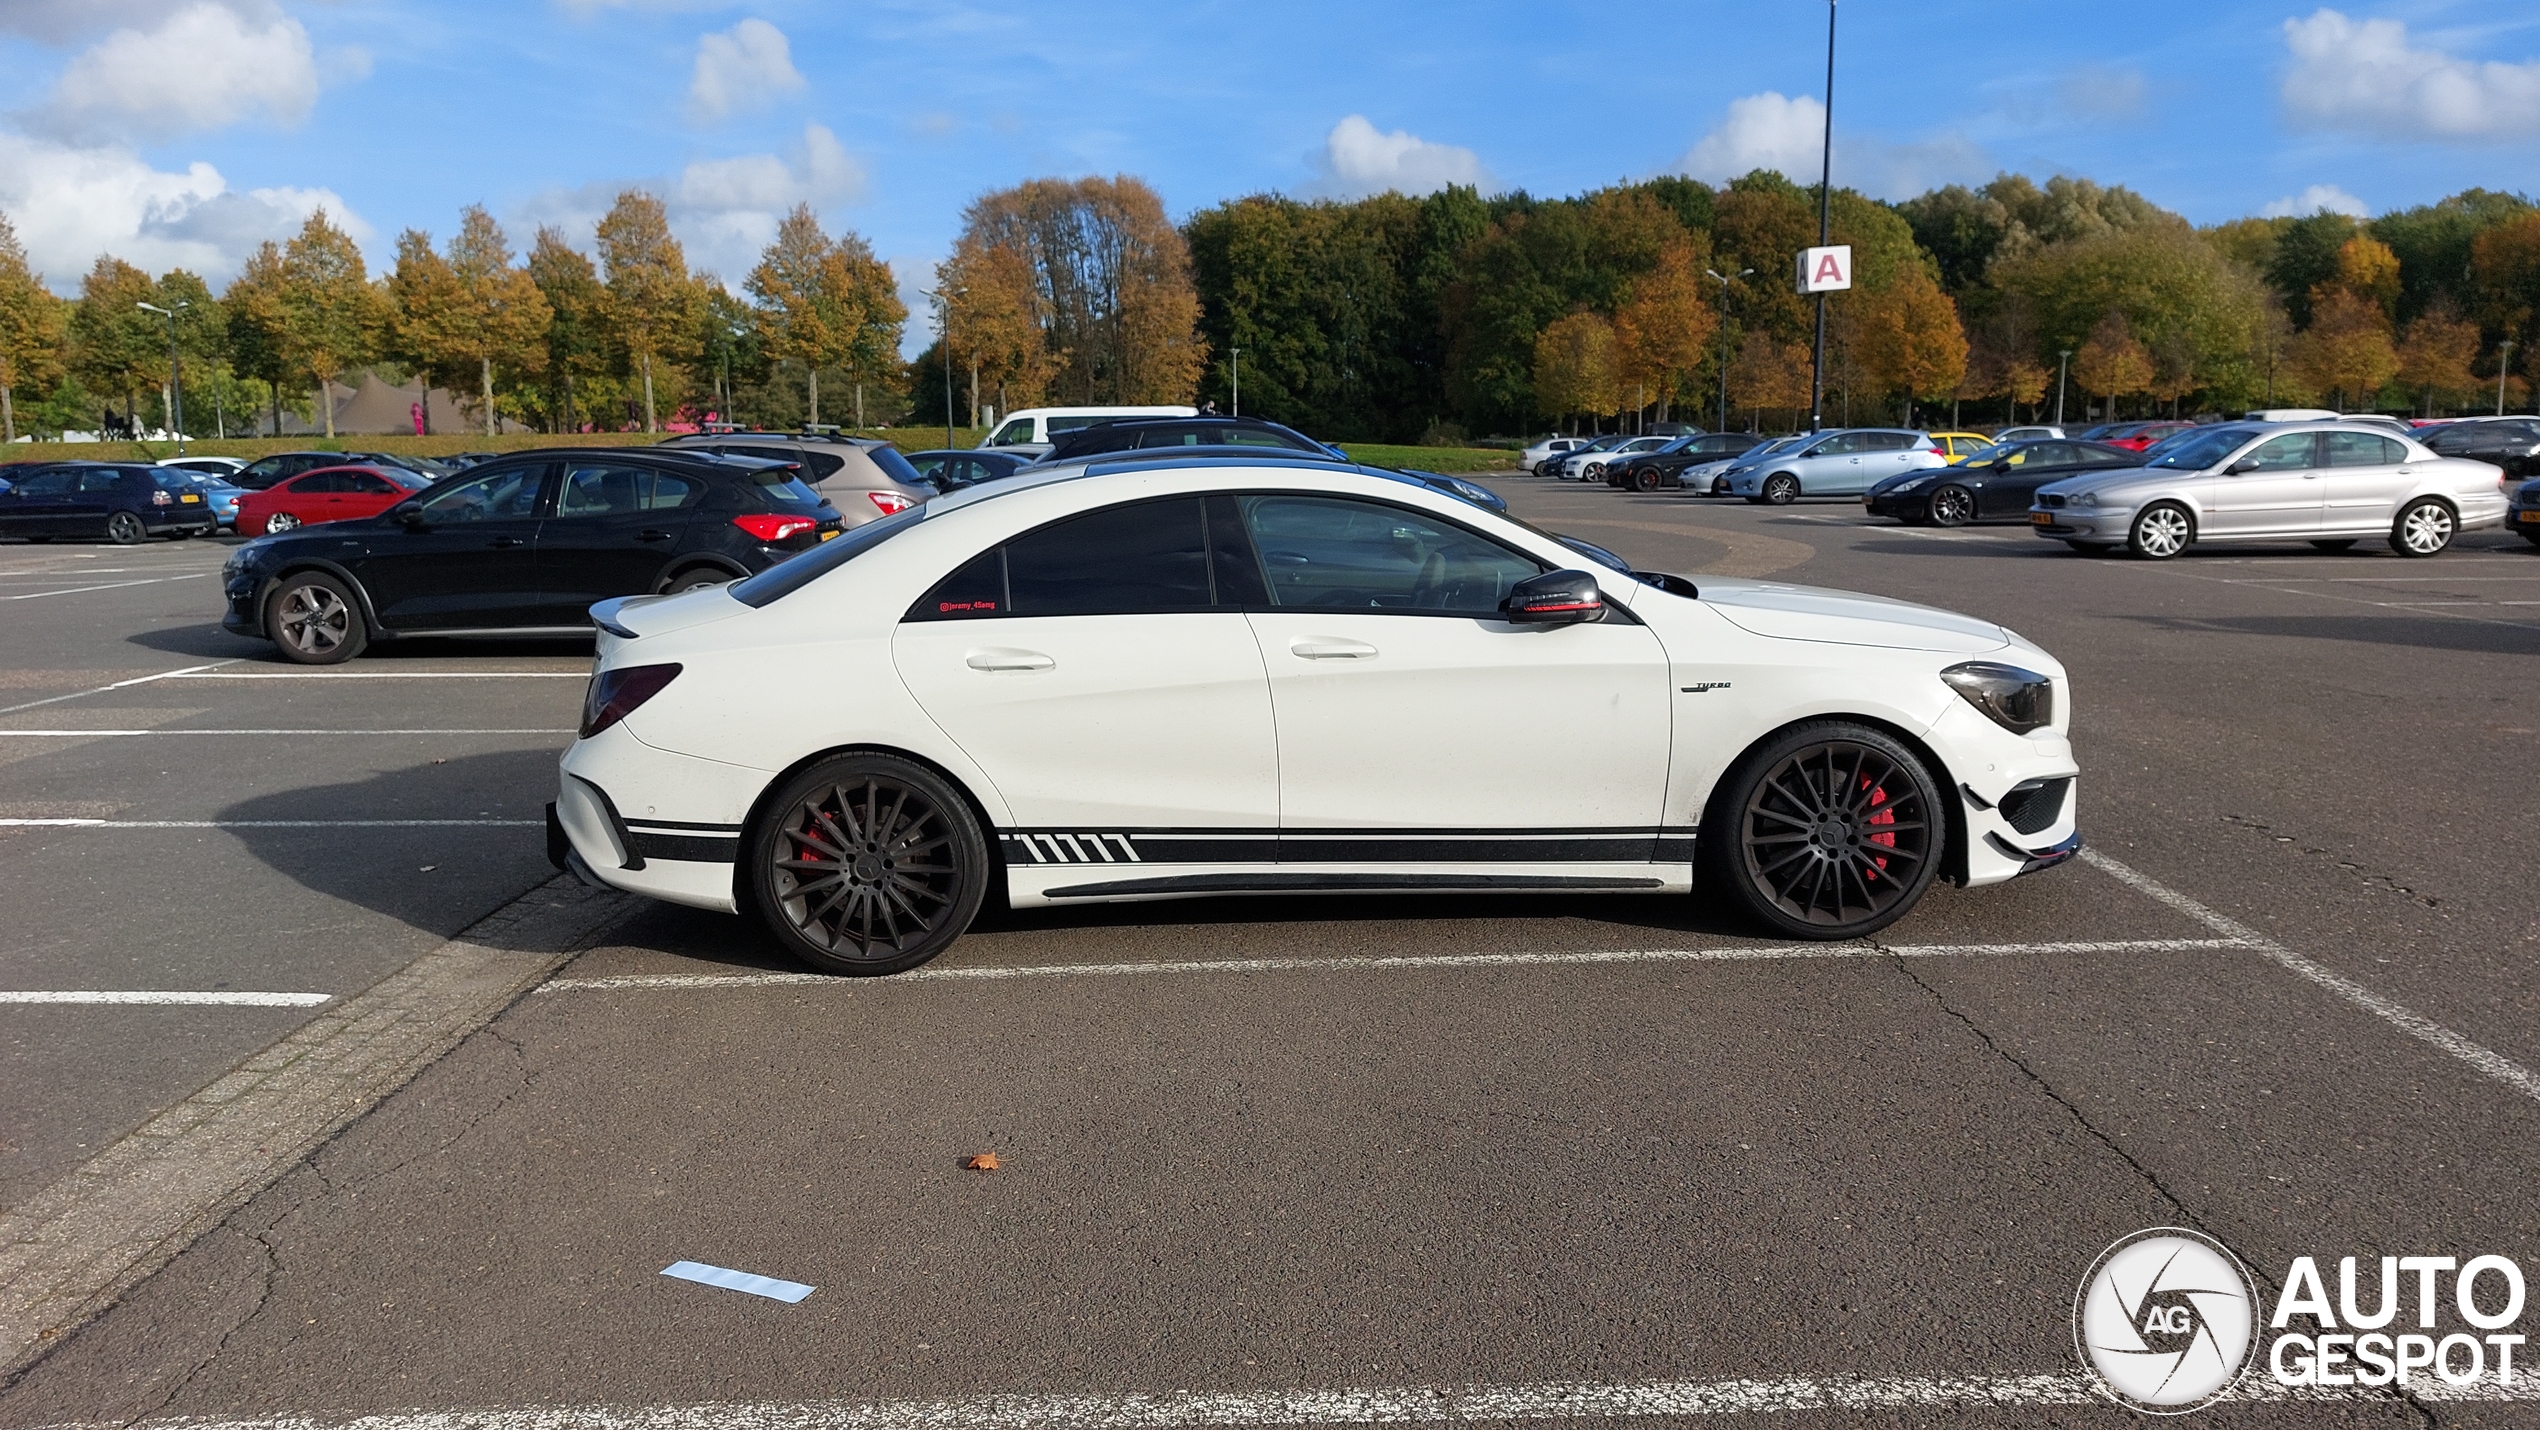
206, 999
730, 1280
272, 824
2494, 1064
184, 730
119, 685
1375, 1405
1375, 964
108, 586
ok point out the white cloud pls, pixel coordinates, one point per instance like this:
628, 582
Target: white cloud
203, 66
724, 211
1359, 159
72, 203
2360, 76
60, 22
2316, 198
744, 67
1773, 131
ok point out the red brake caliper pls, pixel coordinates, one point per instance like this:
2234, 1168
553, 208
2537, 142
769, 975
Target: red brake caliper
1878, 797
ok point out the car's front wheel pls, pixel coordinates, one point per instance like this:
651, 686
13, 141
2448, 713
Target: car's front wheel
313, 621
1831, 830
1646, 479
1781, 489
125, 529
868, 864
2160, 531
2425, 526
1953, 505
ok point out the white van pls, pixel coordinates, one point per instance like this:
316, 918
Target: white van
1034, 430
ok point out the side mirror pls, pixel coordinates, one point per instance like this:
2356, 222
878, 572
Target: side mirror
1555, 598
2245, 464
408, 513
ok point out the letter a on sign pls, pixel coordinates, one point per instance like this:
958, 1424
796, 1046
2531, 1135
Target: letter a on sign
1825, 270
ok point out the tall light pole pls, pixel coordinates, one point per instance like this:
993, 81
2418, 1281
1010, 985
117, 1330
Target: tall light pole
1239, 381
1825, 235
176, 380
2063, 359
2501, 354
1724, 340
943, 339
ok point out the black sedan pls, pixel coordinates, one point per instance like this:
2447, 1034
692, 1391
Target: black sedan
124, 503
522, 545
1995, 486
952, 468
2512, 443
1664, 469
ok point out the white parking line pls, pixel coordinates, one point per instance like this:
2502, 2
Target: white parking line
216, 998
1373, 1405
1408, 961
2494, 1064
108, 586
272, 824
184, 730
181, 672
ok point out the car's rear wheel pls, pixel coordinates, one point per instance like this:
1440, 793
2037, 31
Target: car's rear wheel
868, 864
1832, 830
2425, 526
280, 521
125, 529
1781, 489
312, 620
2346, 544
696, 580
2161, 531
1953, 505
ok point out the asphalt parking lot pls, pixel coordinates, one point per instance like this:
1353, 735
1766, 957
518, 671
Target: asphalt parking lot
1270, 1162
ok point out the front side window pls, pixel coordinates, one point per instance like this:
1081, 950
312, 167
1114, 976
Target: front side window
2195, 454
612, 489
496, 496
371, 484
2292, 452
1337, 554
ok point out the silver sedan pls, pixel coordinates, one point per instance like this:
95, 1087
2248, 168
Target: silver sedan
2331, 484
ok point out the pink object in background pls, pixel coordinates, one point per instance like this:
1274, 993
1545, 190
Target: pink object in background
417, 409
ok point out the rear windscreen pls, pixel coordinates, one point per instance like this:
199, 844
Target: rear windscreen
784, 484
895, 466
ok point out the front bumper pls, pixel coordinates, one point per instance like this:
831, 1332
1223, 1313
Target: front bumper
1896, 504
2107, 525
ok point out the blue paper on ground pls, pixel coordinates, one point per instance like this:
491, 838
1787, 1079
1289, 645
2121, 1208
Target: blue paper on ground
731, 1280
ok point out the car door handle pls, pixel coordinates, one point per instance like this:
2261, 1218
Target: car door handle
1009, 660
652, 536
1329, 648
499, 542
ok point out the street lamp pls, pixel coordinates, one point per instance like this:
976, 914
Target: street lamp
176, 381
1239, 381
2502, 353
943, 334
2063, 359
1724, 340
1825, 235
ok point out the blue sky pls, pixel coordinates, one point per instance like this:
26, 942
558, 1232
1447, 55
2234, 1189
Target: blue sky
184, 131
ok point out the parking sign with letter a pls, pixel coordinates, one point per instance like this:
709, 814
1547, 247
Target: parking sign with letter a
1825, 270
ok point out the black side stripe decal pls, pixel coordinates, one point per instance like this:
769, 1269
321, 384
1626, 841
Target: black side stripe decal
1663, 844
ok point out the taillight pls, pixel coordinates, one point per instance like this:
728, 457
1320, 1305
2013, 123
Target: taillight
768, 527
614, 694
891, 502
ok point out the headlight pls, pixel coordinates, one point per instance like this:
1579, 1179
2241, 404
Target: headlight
2082, 499
2017, 700
1907, 486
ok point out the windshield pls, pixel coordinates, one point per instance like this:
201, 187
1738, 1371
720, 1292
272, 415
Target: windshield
1595, 553
2199, 448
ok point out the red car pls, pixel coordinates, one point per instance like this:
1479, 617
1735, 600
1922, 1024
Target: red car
2135, 436
327, 494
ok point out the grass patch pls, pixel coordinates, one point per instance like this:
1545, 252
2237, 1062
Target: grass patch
1431, 459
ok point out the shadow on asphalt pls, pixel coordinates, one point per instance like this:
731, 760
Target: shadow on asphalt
2488, 637
212, 642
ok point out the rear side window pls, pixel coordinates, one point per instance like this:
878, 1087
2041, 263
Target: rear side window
46, 484
1177, 554
612, 489
102, 479
2363, 449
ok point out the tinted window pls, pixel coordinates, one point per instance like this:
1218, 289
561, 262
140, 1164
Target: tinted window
2054, 454
371, 484
2102, 457
1151, 556
47, 484
2363, 449
1057, 425
509, 494
976, 590
2289, 453
622, 489
2452, 441
1887, 441
100, 479
2195, 454
1334, 553
893, 465
1012, 433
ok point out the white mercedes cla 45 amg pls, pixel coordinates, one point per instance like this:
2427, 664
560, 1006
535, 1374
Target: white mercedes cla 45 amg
1157, 676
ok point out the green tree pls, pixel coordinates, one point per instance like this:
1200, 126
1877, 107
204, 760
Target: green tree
253, 309
117, 349
332, 319
1575, 366
2305, 257
653, 308
2178, 297
32, 330
2434, 244
577, 328
824, 302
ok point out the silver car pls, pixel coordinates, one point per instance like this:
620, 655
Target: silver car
2328, 483
1841, 463
1588, 463
864, 478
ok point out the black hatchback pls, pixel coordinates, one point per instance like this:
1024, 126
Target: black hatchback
524, 544
124, 503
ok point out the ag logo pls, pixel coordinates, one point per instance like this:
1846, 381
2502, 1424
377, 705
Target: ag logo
2166, 1320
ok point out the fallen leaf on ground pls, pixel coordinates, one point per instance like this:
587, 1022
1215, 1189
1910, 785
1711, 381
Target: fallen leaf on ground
982, 1162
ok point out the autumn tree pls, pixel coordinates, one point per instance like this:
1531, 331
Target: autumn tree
2368, 269
1907, 339
460, 315
997, 322
332, 320
576, 339
1768, 373
2435, 355
1576, 369
116, 347
825, 302
653, 307
2113, 361
1663, 331
31, 330
1112, 278
2347, 349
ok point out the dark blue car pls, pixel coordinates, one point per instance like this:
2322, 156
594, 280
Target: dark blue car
124, 504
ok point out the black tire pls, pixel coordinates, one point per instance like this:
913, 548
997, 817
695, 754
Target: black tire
1952, 505
1780, 489
915, 865
1829, 830
695, 580
313, 619
1646, 479
2161, 531
2423, 528
281, 521
2333, 547
126, 529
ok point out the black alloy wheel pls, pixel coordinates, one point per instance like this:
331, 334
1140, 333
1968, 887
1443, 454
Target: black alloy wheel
1953, 505
1832, 831
1645, 479
125, 529
1781, 489
312, 620
868, 864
